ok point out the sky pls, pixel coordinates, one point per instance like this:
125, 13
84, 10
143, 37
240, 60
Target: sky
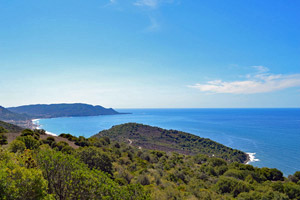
151, 53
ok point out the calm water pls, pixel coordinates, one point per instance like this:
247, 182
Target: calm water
273, 134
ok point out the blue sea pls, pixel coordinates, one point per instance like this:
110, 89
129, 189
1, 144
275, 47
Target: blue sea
272, 134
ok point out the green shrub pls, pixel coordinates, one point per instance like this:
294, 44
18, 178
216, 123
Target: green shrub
17, 146
29, 141
95, 159
3, 139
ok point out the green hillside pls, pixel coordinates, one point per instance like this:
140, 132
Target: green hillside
33, 168
7, 115
171, 141
10, 127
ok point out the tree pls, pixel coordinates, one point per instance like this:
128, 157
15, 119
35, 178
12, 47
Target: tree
96, 159
3, 139
17, 145
60, 145
50, 141
292, 190
29, 141
3, 130
68, 178
143, 180
19, 182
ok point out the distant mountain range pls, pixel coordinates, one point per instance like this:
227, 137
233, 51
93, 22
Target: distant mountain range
150, 137
61, 110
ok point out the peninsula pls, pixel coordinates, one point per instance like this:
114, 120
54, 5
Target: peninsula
22, 115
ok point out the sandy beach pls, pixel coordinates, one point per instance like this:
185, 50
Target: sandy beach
37, 126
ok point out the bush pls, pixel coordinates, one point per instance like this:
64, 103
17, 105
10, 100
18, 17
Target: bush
29, 142
68, 178
17, 182
96, 159
17, 146
29, 132
231, 185
3, 130
60, 145
50, 141
3, 139
292, 190
143, 180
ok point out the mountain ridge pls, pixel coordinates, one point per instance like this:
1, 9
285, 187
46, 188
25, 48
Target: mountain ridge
62, 110
7, 115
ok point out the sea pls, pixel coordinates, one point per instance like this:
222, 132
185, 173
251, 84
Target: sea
271, 136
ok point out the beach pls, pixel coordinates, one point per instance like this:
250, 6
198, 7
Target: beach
36, 125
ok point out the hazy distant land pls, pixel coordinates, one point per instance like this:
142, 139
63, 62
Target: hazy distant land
22, 115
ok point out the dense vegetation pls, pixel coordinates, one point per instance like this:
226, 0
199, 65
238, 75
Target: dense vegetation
7, 115
149, 137
10, 127
35, 168
62, 110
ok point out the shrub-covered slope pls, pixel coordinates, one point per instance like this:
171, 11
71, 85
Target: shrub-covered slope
150, 137
35, 168
10, 127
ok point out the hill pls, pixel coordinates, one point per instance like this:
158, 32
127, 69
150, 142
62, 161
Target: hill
62, 110
7, 115
10, 127
171, 141
105, 169
53, 168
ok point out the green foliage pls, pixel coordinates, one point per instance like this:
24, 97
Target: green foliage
60, 145
292, 190
68, 178
28, 132
6, 115
295, 178
143, 180
82, 142
271, 174
29, 141
50, 141
10, 127
231, 185
17, 146
96, 159
3, 130
39, 131
68, 136
19, 182
171, 140
3, 139
105, 169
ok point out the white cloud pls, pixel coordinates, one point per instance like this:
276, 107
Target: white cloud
147, 3
261, 69
151, 3
260, 82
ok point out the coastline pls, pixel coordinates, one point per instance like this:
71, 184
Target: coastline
36, 125
251, 158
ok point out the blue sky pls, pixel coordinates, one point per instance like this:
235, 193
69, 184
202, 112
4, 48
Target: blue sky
150, 53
